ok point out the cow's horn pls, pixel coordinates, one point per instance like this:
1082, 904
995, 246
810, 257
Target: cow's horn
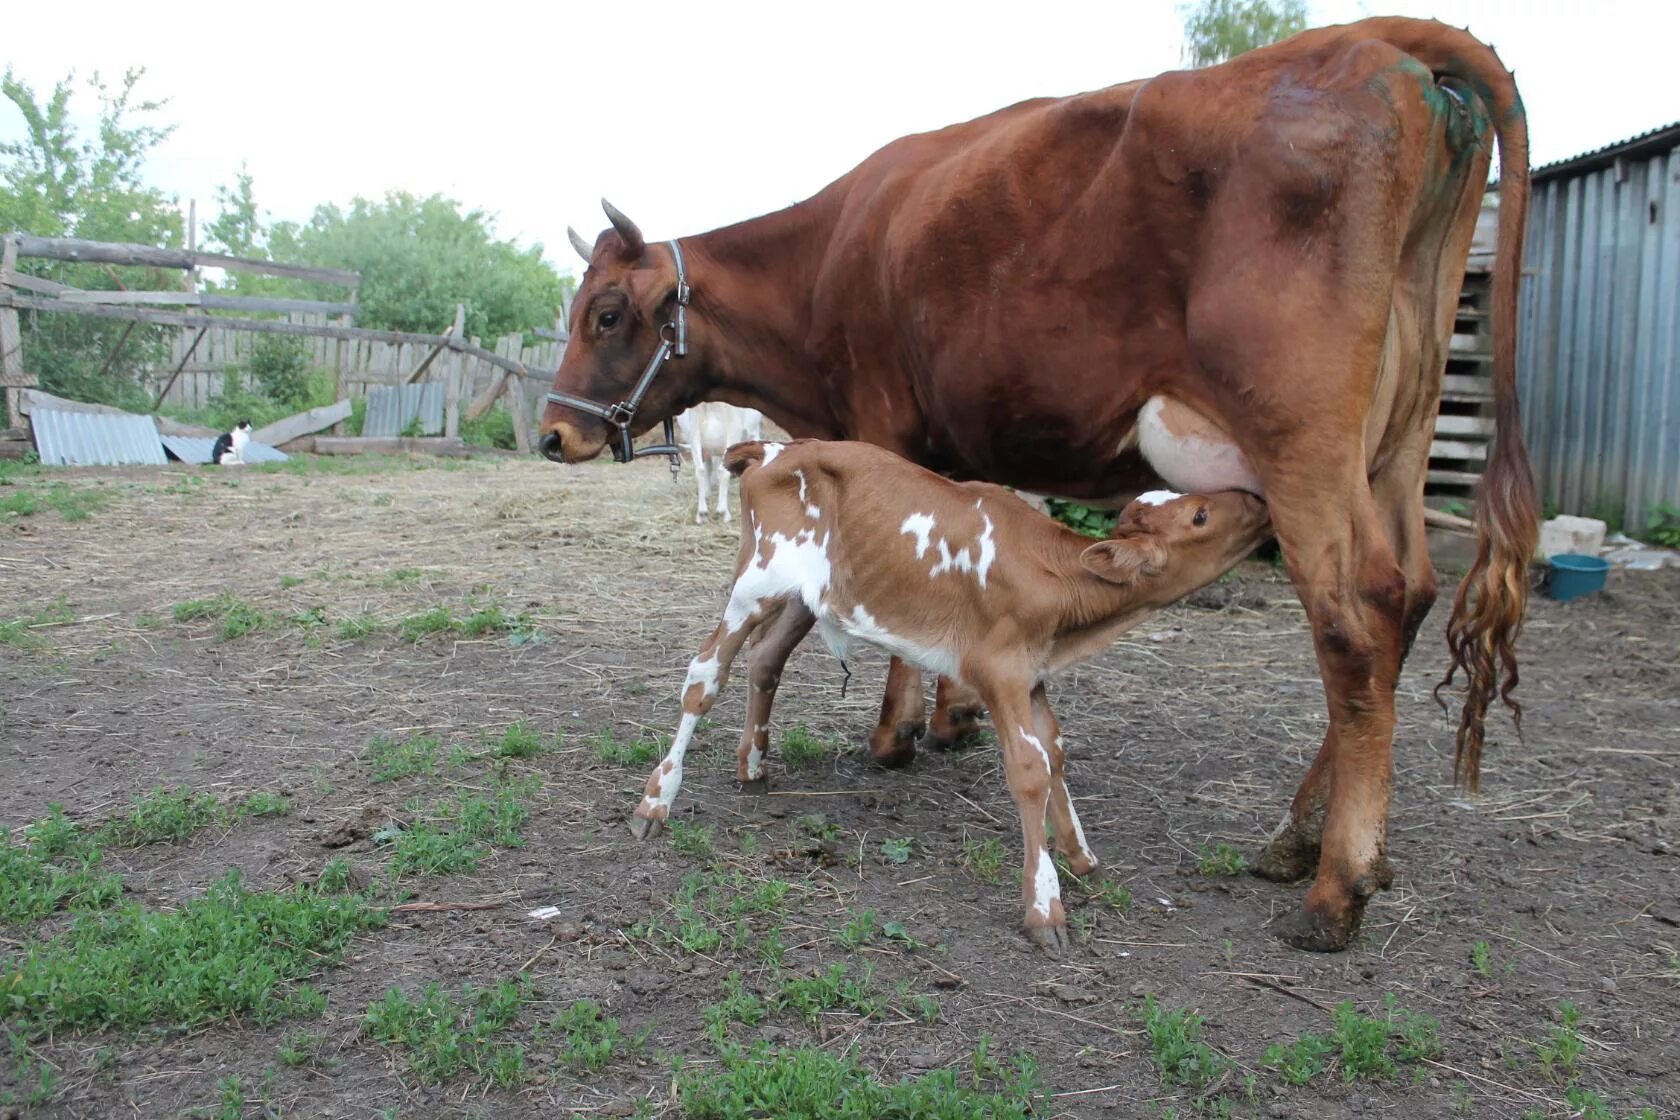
583, 248
633, 243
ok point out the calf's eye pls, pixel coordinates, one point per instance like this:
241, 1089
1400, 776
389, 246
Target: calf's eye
1200, 519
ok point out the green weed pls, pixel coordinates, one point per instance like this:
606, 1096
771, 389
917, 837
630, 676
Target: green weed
1560, 1055
417, 627
298, 1048
162, 816
265, 804
402, 577
834, 990
357, 628
1180, 1055
1222, 860
637, 752
1481, 958
591, 1037
403, 758
857, 932
20, 632
445, 1035
55, 868
691, 839
802, 748
896, 851
475, 823
520, 741
230, 952
737, 1006
984, 859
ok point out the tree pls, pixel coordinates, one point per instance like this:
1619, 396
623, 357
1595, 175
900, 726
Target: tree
55, 183
418, 258
1215, 30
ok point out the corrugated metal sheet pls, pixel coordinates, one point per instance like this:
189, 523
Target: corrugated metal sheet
1657, 140
1599, 359
95, 439
196, 449
392, 408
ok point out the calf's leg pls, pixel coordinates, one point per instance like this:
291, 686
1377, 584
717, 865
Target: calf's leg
1027, 765
781, 635
1064, 821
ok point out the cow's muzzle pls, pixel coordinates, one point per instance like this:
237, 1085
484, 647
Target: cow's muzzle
551, 448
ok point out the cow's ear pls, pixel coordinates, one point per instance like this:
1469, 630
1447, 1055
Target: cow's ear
1123, 559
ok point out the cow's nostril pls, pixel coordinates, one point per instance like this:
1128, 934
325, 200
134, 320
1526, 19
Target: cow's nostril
550, 448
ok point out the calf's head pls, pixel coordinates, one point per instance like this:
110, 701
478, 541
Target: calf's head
1167, 545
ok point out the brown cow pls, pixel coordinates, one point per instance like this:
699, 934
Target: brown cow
963, 579
1270, 249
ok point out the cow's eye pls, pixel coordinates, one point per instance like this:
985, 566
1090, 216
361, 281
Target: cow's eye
1200, 519
608, 320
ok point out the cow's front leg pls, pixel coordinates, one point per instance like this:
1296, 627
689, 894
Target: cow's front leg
893, 742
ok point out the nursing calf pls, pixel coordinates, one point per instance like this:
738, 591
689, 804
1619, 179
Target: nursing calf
962, 579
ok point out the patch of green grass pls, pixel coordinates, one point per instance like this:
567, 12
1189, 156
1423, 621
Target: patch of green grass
289, 582
493, 429
520, 740
1588, 1105
71, 503
1481, 958
234, 616
801, 747
299, 1048
403, 758
486, 620
19, 632
417, 627
810, 1083
691, 839
896, 851
162, 816
457, 836
402, 577
817, 827
55, 868
231, 952
1560, 1055
1180, 1055
1364, 1047
1221, 860
857, 932
591, 1038
446, 1035
637, 752
265, 803
232, 1098
983, 859
357, 628
834, 990
737, 1006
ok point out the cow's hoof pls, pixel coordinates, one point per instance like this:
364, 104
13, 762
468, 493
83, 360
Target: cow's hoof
953, 729
1292, 854
1304, 929
1053, 940
644, 828
895, 750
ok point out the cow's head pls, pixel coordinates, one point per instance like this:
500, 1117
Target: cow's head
1175, 543
622, 310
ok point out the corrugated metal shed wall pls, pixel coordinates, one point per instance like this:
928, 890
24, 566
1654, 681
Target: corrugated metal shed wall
1599, 361
95, 439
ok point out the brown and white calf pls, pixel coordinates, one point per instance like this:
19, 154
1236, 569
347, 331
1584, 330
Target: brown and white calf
962, 579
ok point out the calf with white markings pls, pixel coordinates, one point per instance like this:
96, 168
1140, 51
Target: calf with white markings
962, 579
708, 430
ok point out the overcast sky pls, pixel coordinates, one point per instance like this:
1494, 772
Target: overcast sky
692, 115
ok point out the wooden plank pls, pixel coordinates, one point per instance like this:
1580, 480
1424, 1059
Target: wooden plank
150, 256
1454, 478
179, 366
521, 415
31, 399
1464, 426
302, 424
1457, 449
36, 284
483, 402
1440, 519
1468, 385
11, 337
18, 379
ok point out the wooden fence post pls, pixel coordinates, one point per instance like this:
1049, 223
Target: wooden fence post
12, 377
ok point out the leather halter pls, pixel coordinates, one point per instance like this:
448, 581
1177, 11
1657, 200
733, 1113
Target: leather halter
673, 344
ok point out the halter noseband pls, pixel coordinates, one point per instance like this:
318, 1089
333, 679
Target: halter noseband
671, 345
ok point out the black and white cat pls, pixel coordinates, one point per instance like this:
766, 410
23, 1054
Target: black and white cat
230, 446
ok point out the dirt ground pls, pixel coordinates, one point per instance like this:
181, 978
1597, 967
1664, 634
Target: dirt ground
1189, 733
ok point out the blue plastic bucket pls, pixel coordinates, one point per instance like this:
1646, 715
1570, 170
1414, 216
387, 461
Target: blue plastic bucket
1574, 576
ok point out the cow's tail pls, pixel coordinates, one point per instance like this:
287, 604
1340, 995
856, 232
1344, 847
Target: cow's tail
740, 456
1488, 607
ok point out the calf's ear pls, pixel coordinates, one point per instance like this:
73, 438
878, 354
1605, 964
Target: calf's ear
1123, 559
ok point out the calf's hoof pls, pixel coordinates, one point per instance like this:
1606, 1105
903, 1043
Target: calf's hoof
896, 749
1053, 940
756, 786
645, 828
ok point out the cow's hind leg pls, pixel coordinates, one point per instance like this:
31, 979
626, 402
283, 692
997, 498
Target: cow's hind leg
893, 742
956, 714
781, 636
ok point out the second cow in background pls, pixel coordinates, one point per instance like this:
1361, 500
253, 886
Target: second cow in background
707, 431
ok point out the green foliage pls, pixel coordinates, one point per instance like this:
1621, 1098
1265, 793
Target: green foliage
896, 850
1181, 1057
1222, 860
230, 952
1083, 519
20, 632
1364, 1046
72, 503
357, 628
691, 839
54, 182
1302, 1060
162, 816
266, 804
801, 747
1560, 1055
493, 429
591, 1037
737, 1006
984, 859
637, 752
446, 1035
1215, 30
812, 1084
234, 616
520, 740
1662, 526
1481, 958
55, 868
857, 932
834, 990
457, 835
